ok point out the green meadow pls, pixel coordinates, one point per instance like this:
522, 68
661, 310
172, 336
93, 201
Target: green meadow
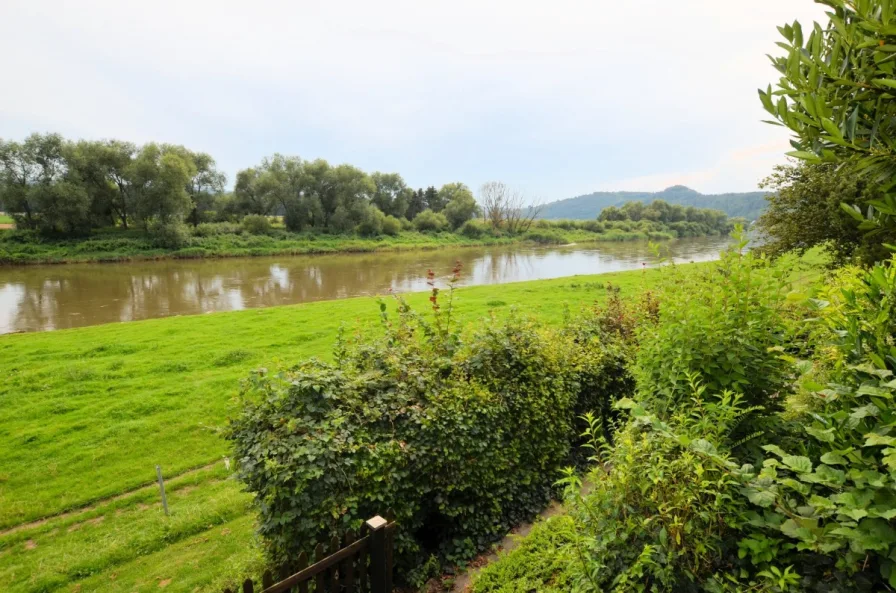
88, 413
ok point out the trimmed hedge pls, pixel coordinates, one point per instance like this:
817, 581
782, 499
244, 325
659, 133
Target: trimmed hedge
462, 435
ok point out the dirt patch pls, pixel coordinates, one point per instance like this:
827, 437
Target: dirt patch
164, 583
30, 545
7, 226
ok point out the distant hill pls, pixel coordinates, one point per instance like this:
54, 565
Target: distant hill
748, 205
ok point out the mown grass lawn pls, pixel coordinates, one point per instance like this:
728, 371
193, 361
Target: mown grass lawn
6, 219
87, 414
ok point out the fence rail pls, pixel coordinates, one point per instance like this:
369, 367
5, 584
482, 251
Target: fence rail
357, 564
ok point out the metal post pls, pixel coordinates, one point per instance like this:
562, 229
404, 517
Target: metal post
162, 489
380, 567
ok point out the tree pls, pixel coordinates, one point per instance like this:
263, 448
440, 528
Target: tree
391, 194
160, 174
836, 94
20, 173
611, 213
505, 208
282, 182
204, 186
117, 159
416, 204
352, 189
248, 195
433, 199
38, 187
804, 211
461, 205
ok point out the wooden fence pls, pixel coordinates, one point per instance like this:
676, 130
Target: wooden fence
358, 564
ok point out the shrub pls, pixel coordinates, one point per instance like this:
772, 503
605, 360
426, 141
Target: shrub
460, 209
256, 224
545, 237
462, 435
725, 321
540, 563
474, 229
372, 221
664, 511
212, 229
430, 221
391, 226
834, 494
406, 225
170, 235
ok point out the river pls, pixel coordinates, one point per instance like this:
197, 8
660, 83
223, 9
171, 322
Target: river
41, 298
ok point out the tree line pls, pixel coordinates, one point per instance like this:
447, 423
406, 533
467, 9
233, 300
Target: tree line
51, 184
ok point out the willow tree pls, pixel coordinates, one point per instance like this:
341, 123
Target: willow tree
837, 94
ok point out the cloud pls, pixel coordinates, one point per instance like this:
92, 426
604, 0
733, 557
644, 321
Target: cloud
560, 97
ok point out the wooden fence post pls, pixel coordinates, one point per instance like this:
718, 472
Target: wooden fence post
380, 557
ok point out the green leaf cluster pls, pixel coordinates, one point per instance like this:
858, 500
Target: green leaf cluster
462, 434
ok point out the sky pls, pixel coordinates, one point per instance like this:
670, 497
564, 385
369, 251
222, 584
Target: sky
557, 98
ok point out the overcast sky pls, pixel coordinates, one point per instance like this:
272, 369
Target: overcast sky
556, 97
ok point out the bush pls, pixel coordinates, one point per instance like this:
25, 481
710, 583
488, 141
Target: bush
665, 509
474, 229
406, 225
430, 221
256, 224
460, 209
170, 235
725, 322
833, 492
540, 563
391, 226
371, 223
545, 237
212, 229
462, 435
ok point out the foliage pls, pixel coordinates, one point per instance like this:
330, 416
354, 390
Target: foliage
726, 324
170, 235
805, 211
836, 95
256, 224
474, 229
391, 226
212, 229
372, 222
540, 563
430, 221
460, 204
686, 221
462, 435
664, 508
835, 496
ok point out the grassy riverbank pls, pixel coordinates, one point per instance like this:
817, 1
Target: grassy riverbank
88, 413
19, 248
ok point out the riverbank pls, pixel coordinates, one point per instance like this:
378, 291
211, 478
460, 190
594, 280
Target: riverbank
19, 248
89, 412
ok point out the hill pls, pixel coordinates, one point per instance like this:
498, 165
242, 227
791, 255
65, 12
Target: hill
748, 205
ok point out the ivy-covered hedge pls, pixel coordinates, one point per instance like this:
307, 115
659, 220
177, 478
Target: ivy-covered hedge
462, 435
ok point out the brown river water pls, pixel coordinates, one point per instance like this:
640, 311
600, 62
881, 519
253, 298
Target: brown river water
41, 298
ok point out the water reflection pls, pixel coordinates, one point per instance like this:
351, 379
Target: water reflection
55, 297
